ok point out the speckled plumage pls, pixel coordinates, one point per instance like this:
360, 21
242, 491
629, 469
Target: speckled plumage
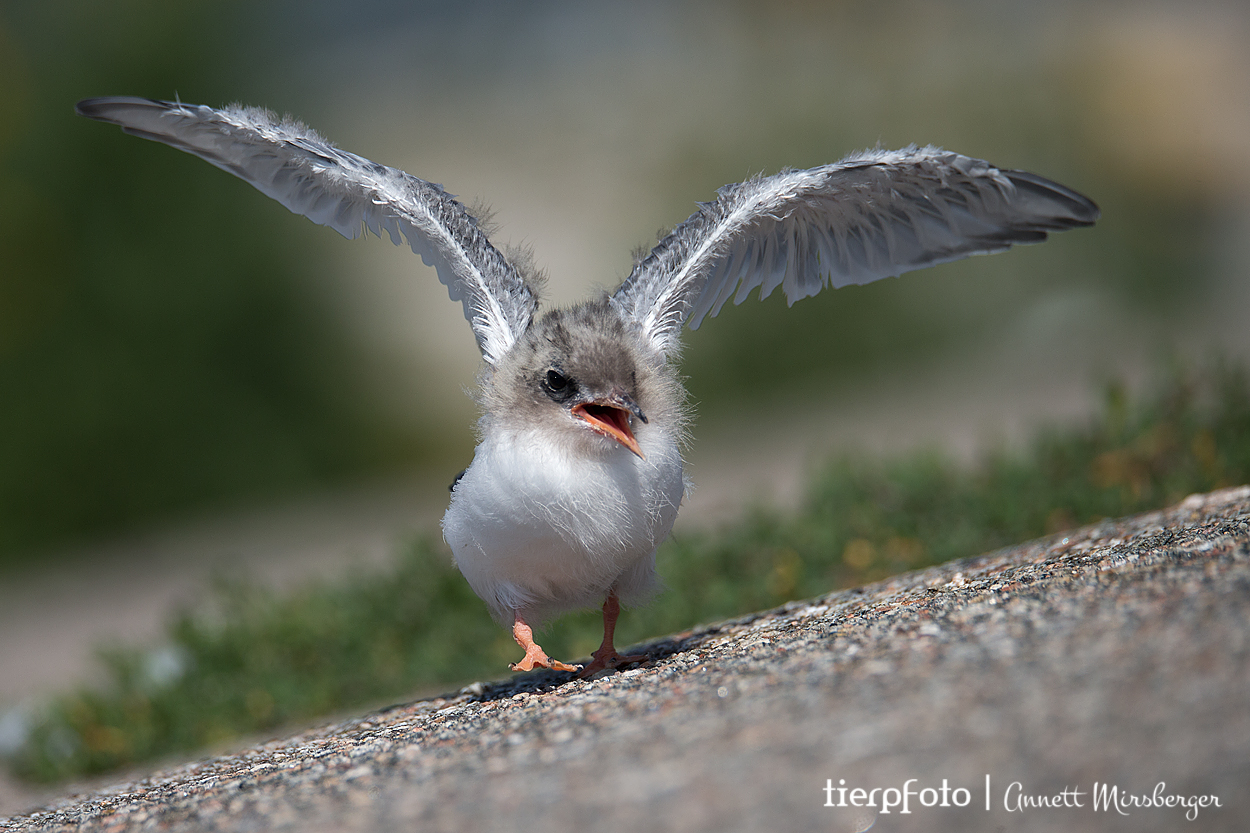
578, 475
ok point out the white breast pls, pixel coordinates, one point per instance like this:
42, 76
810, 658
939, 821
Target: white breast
537, 527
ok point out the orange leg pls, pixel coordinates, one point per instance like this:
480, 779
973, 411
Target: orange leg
535, 656
606, 656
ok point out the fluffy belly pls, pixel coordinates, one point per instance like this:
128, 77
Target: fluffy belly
541, 533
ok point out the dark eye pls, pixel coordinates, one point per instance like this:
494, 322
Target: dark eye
558, 386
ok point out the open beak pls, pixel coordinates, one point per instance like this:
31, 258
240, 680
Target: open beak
609, 416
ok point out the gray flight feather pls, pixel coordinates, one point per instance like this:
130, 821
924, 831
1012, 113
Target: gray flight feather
873, 215
292, 164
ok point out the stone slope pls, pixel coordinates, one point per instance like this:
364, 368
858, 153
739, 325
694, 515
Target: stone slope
1118, 654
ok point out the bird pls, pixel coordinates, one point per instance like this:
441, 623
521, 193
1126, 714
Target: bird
577, 476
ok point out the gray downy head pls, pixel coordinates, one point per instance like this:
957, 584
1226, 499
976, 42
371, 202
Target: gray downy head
582, 375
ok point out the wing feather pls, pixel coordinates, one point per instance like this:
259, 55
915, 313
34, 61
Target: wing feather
873, 215
350, 194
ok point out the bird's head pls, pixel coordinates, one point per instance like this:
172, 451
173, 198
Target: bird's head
601, 402
581, 376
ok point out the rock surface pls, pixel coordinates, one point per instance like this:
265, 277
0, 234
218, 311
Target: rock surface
1118, 654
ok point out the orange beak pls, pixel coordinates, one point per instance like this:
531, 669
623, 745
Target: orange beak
610, 421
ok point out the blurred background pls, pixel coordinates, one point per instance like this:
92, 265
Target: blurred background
194, 380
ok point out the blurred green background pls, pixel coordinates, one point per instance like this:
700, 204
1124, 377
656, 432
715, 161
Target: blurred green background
170, 341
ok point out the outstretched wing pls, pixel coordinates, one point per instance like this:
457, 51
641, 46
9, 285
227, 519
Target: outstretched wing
873, 215
287, 161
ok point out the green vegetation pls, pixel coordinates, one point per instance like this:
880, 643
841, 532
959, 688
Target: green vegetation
258, 660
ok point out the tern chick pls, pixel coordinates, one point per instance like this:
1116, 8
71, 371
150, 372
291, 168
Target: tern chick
577, 477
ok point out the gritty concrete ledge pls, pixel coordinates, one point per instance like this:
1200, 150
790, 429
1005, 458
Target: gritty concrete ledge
1117, 654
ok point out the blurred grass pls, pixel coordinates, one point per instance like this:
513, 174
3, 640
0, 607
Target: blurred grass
258, 660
